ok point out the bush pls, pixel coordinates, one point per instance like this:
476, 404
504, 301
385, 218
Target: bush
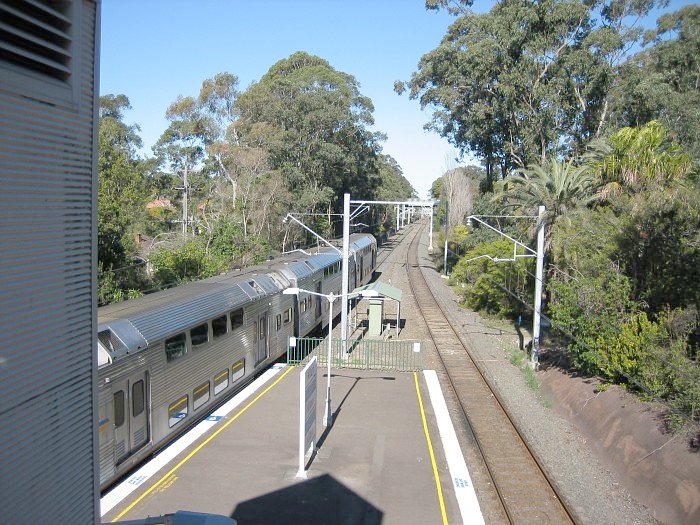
187, 262
485, 284
591, 311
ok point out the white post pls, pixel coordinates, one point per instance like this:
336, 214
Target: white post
345, 271
397, 218
184, 205
538, 288
447, 216
430, 246
328, 415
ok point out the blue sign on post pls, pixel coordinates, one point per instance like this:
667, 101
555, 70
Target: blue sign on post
307, 412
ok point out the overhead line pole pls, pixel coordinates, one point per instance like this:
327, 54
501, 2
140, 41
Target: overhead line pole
345, 271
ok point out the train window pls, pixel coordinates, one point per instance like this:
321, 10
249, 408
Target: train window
175, 347
302, 306
221, 381
199, 334
218, 326
177, 411
118, 408
236, 319
137, 398
263, 329
279, 321
105, 337
200, 395
287, 316
255, 331
238, 370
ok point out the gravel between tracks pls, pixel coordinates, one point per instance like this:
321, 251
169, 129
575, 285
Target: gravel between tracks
594, 494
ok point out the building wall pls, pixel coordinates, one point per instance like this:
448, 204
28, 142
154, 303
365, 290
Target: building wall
48, 118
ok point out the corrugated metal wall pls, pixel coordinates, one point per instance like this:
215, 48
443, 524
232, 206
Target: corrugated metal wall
47, 259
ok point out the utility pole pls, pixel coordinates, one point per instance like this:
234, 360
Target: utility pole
184, 205
345, 271
447, 216
538, 287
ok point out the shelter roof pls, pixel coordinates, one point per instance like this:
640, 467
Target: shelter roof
382, 289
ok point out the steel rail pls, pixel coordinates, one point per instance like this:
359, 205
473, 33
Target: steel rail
524, 489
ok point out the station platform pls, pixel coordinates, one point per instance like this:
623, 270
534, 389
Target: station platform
391, 456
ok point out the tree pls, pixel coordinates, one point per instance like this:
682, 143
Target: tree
663, 81
181, 149
122, 194
559, 186
524, 81
217, 107
637, 159
459, 188
312, 119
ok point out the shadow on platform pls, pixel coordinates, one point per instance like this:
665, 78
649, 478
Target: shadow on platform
321, 500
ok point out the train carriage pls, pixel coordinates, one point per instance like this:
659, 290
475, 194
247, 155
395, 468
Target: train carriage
166, 359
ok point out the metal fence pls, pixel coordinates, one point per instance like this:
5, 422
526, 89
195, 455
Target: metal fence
367, 354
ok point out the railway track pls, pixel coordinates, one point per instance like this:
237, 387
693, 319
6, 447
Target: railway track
525, 493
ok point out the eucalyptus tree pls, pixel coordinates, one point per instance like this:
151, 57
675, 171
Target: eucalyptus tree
217, 108
123, 190
181, 149
662, 82
313, 121
525, 80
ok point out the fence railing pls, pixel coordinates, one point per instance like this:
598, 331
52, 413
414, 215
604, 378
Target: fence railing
368, 354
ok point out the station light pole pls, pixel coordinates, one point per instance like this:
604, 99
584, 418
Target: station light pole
331, 297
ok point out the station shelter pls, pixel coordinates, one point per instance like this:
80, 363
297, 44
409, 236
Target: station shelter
377, 293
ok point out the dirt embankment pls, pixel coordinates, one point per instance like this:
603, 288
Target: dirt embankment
658, 469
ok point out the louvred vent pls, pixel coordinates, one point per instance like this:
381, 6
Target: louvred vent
36, 35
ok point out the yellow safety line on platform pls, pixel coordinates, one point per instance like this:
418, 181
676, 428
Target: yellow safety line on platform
432, 454
205, 442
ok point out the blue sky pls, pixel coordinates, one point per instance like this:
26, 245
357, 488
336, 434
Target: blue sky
154, 50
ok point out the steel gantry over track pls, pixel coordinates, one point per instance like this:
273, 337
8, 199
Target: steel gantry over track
406, 208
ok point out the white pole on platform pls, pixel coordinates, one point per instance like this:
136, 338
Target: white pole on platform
345, 275
328, 415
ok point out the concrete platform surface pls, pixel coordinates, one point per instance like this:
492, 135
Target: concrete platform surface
375, 464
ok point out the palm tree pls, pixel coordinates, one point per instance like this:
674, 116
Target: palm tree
560, 186
634, 159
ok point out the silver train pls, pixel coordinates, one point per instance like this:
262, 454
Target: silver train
167, 358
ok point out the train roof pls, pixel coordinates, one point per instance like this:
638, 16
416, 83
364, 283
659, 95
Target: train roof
138, 322
307, 264
359, 241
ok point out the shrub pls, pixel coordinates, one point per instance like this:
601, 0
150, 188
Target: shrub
485, 284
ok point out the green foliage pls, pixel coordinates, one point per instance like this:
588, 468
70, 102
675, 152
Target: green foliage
637, 159
187, 262
229, 247
659, 248
479, 277
123, 190
585, 244
591, 310
663, 81
560, 187
525, 80
318, 129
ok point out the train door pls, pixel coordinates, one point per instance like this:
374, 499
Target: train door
319, 290
130, 415
262, 350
